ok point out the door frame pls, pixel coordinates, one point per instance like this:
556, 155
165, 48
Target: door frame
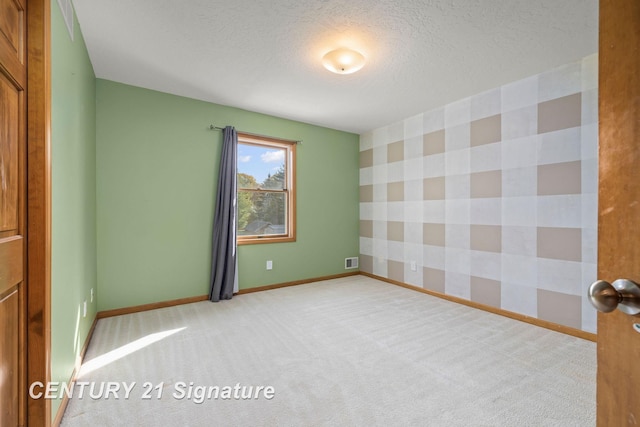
38, 206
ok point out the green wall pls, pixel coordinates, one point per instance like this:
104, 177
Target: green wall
73, 237
133, 180
157, 168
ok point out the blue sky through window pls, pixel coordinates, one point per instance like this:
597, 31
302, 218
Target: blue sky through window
258, 161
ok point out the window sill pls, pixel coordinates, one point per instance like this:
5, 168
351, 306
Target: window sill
260, 240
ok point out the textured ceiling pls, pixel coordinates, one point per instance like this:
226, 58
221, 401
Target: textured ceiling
265, 55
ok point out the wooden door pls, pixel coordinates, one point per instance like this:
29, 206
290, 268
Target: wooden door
618, 395
13, 79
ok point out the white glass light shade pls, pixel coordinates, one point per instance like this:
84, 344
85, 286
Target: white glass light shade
343, 61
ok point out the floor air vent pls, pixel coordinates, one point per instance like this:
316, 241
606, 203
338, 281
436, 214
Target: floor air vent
351, 263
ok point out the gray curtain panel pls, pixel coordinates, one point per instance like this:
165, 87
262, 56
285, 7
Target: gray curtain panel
224, 254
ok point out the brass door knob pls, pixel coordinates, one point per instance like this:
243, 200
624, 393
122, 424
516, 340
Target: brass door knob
622, 294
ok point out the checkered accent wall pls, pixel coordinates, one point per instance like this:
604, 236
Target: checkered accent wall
492, 198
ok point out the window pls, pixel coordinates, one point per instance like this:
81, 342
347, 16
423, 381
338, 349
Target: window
266, 190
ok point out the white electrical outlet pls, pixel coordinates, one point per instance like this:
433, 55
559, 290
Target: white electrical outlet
84, 309
91, 294
269, 265
413, 266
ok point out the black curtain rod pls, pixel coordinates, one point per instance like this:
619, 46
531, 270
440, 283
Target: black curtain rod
213, 127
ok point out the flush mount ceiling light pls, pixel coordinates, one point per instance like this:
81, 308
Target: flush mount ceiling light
343, 61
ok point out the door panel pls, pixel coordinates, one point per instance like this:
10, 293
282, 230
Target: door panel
13, 357
12, 38
10, 25
9, 376
9, 158
11, 262
619, 203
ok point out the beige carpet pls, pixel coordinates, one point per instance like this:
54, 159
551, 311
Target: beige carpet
352, 351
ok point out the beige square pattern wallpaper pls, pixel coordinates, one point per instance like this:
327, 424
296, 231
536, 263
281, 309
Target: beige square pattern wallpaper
492, 198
